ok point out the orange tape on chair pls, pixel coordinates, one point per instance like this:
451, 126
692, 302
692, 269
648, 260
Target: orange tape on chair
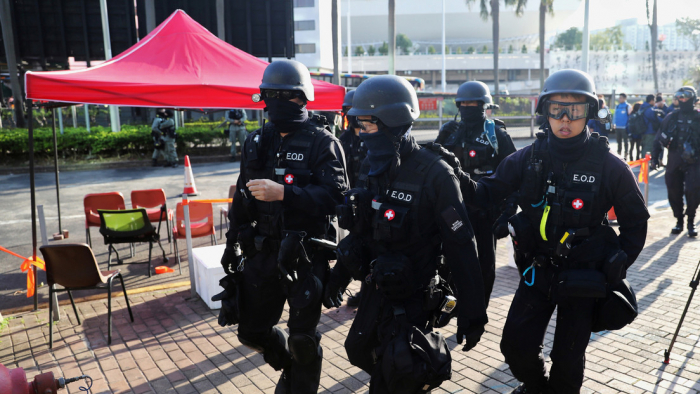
26, 266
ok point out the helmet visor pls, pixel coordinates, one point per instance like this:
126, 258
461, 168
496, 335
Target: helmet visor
280, 94
683, 95
574, 111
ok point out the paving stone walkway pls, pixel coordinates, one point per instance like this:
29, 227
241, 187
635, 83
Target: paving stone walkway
176, 346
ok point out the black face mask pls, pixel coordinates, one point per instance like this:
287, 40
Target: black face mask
286, 115
383, 147
352, 122
688, 106
473, 116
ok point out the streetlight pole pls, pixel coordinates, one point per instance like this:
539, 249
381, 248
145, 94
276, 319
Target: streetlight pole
349, 39
586, 37
113, 110
444, 79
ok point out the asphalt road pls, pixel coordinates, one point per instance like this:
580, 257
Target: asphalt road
212, 181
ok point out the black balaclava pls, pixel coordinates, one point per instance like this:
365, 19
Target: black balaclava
286, 115
688, 106
567, 150
384, 146
473, 116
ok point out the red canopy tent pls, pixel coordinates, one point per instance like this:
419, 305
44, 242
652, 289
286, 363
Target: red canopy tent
180, 64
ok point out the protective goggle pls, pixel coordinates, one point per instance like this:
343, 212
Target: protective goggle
363, 127
682, 94
574, 111
276, 94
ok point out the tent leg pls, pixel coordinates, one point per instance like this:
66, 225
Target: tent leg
55, 169
32, 186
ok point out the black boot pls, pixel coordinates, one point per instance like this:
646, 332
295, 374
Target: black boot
524, 390
679, 226
691, 227
155, 163
354, 300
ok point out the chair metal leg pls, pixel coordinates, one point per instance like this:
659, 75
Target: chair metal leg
50, 317
213, 238
109, 311
150, 248
88, 239
126, 297
109, 256
177, 254
167, 227
221, 224
70, 295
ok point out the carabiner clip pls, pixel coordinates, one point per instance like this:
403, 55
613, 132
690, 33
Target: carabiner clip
532, 282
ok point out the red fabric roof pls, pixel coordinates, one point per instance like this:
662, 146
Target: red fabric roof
180, 64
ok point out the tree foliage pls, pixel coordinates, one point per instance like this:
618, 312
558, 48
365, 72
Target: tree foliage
359, 50
690, 29
570, 39
523, 49
403, 43
431, 50
384, 49
608, 39
371, 50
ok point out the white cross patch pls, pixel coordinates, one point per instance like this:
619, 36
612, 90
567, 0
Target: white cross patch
389, 214
577, 204
289, 179
472, 153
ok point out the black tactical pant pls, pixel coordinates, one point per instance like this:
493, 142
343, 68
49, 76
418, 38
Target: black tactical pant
263, 295
525, 328
374, 327
682, 179
485, 249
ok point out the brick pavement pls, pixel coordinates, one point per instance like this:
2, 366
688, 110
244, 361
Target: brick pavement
176, 346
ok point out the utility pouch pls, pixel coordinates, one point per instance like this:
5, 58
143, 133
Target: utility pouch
390, 222
688, 154
246, 240
393, 275
291, 254
293, 176
254, 159
533, 182
414, 362
353, 254
305, 292
578, 207
584, 283
523, 235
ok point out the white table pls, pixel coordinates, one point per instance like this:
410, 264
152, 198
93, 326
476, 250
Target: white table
207, 273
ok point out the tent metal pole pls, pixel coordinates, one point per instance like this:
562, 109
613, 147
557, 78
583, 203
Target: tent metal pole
32, 186
55, 170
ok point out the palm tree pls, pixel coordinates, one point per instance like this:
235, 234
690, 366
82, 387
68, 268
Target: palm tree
495, 6
545, 7
654, 30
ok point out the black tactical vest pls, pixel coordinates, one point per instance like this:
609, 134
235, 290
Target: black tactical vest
682, 127
475, 153
355, 153
570, 198
286, 163
395, 209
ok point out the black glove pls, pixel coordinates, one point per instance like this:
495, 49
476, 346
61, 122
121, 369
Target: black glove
246, 239
500, 227
337, 283
229, 261
615, 268
473, 334
229, 314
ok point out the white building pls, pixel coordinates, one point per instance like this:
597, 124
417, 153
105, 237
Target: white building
313, 42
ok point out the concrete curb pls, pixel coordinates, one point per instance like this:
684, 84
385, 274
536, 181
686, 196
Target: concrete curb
45, 305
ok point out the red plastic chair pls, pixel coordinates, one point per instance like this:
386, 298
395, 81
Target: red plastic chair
223, 213
154, 201
201, 223
93, 202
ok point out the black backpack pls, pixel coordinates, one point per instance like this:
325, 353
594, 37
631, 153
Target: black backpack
636, 124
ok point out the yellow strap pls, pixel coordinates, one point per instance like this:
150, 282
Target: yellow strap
566, 235
543, 223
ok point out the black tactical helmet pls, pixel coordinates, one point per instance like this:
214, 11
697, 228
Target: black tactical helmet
569, 81
389, 98
474, 91
347, 101
689, 90
288, 75
165, 112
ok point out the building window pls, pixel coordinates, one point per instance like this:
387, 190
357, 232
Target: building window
304, 25
303, 3
305, 48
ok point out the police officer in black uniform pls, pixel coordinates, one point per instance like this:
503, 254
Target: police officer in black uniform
480, 144
405, 213
567, 181
680, 133
292, 177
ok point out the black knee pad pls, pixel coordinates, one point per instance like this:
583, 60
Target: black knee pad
272, 345
304, 348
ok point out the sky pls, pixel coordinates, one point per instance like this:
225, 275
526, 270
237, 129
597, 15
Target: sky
604, 13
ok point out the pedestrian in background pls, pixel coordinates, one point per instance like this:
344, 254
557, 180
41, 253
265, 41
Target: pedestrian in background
236, 129
652, 118
165, 124
620, 119
635, 133
674, 105
661, 103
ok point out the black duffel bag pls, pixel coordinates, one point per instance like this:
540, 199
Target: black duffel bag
617, 309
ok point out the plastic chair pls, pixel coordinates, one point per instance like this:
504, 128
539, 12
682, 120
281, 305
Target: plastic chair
95, 201
129, 226
201, 223
223, 213
74, 267
154, 199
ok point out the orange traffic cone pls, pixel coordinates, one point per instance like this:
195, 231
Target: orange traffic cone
190, 188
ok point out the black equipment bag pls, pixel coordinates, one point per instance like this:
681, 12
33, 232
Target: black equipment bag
616, 310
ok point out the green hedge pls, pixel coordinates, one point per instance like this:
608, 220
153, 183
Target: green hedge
101, 141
